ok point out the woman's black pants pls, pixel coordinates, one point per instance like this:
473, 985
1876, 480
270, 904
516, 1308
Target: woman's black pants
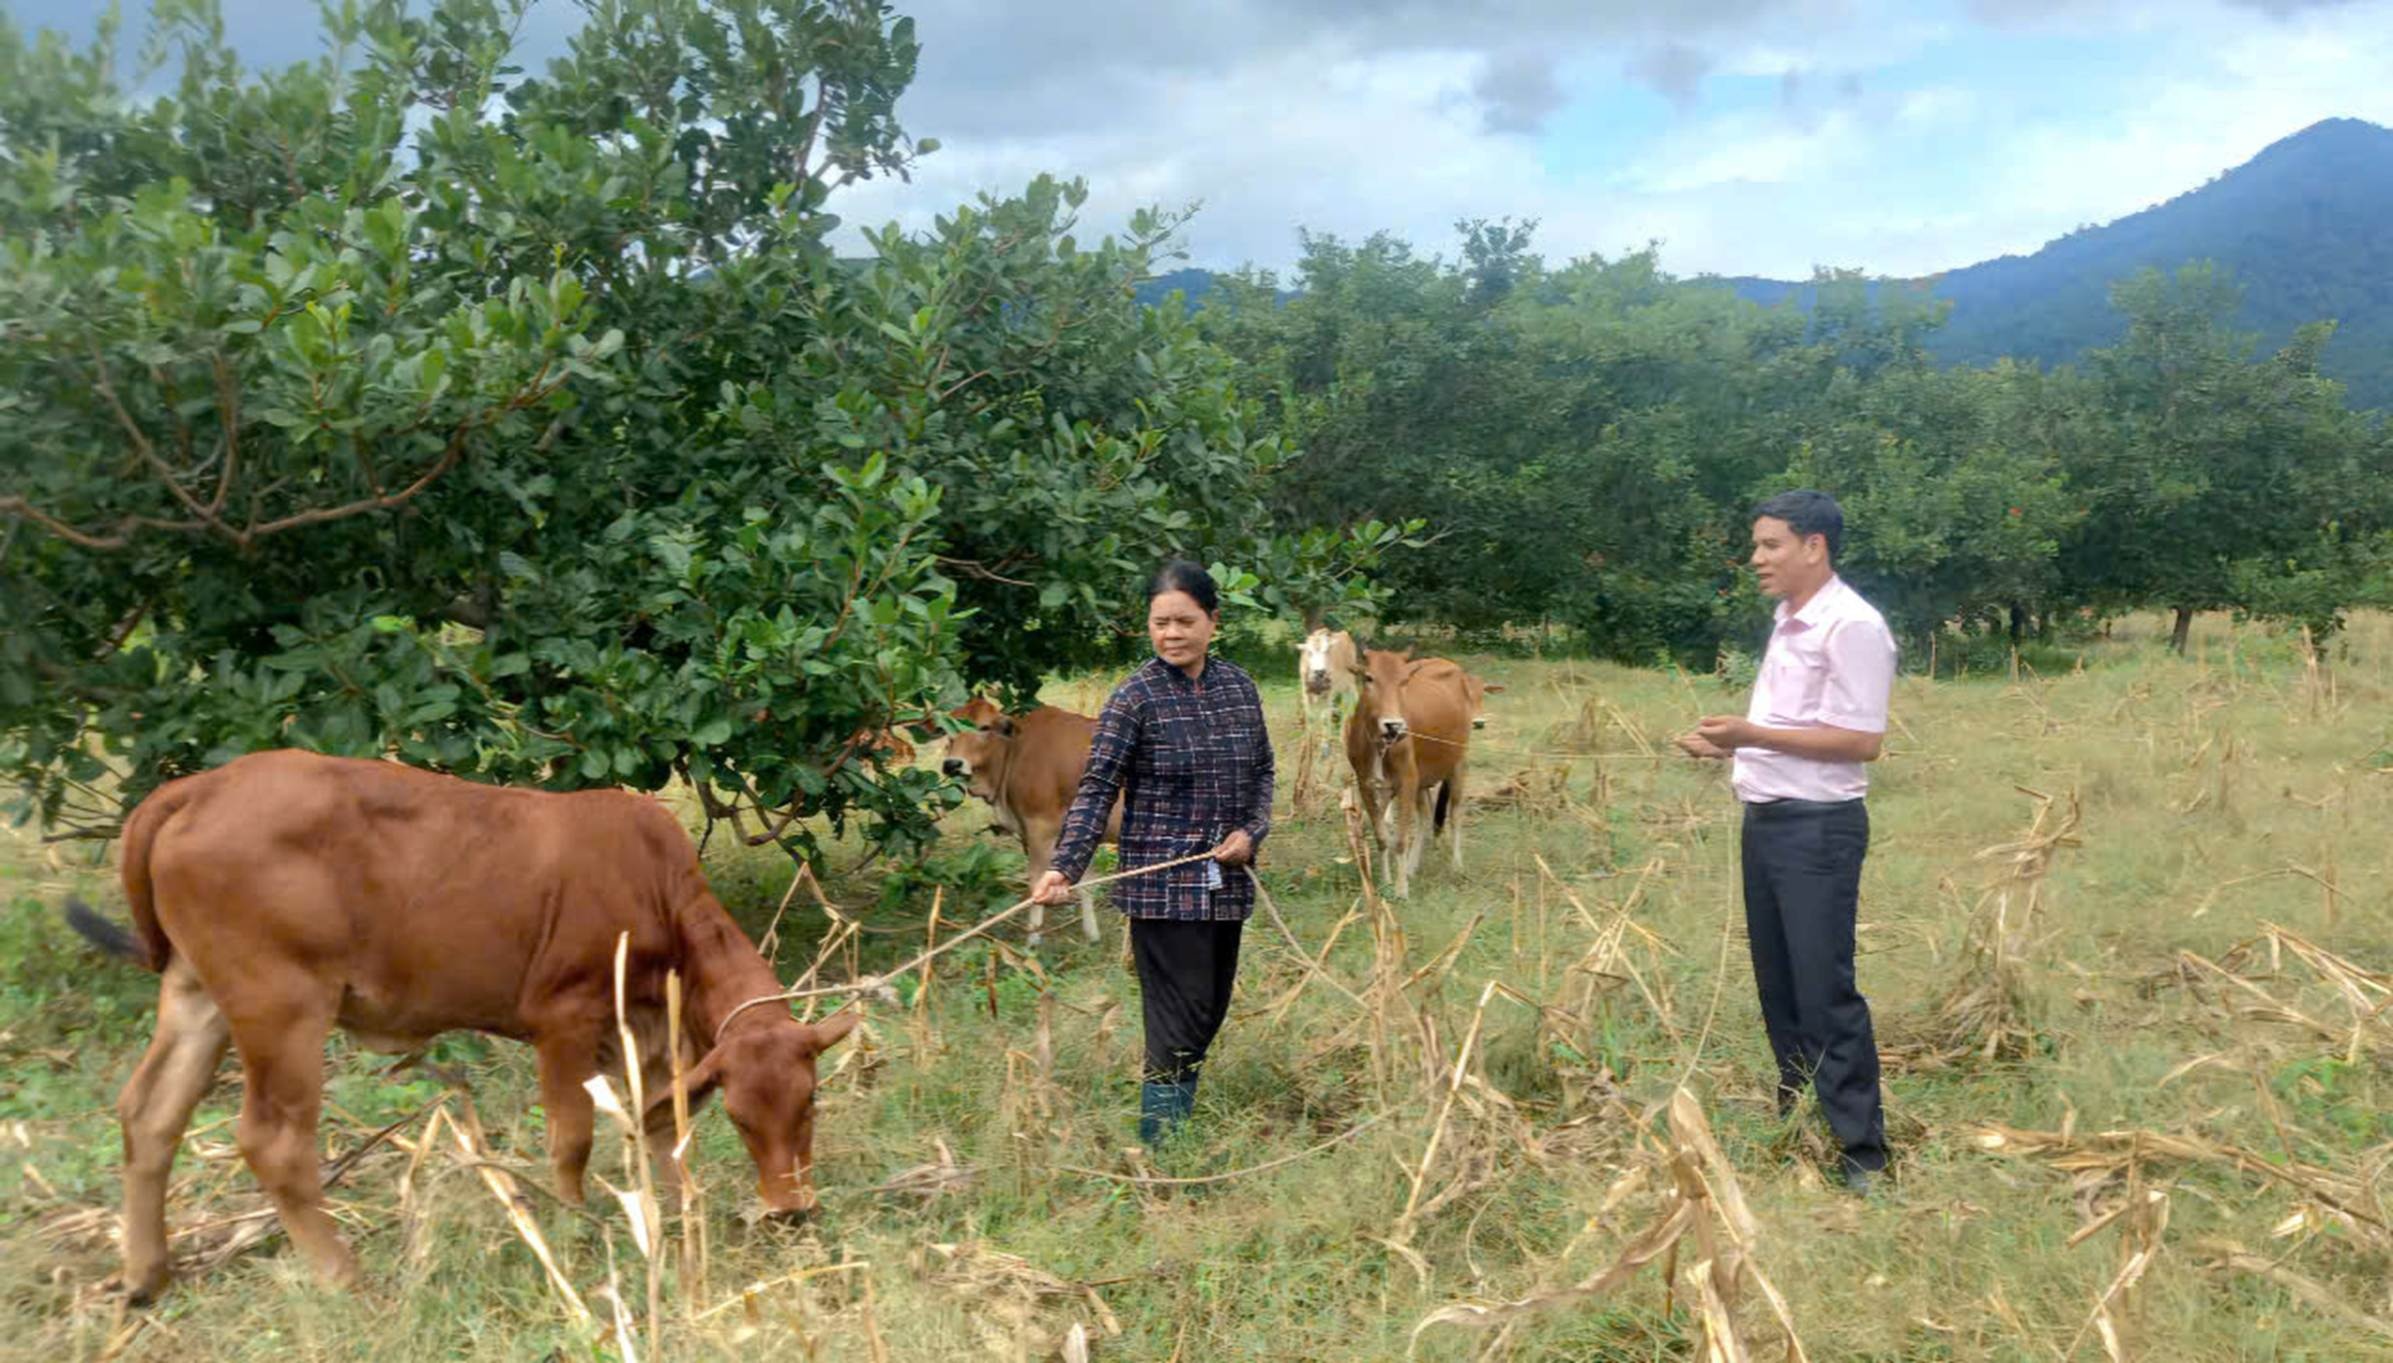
1185, 971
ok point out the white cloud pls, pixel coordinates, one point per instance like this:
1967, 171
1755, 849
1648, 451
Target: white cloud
1862, 133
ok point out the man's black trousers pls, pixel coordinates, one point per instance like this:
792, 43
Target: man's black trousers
1802, 890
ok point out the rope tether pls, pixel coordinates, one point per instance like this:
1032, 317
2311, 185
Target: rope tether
872, 982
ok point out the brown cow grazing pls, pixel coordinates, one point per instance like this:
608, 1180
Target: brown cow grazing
286, 893
1407, 740
1028, 768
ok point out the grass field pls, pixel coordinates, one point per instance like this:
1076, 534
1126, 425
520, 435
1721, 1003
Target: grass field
2136, 1077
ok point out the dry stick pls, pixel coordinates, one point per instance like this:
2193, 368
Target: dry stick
801, 1275
1295, 947
502, 1185
1636, 892
1443, 959
1319, 962
1149, 1180
872, 1325
1728, 913
871, 982
1462, 1060
924, 1035
693, 1219
635, 1147
766, 944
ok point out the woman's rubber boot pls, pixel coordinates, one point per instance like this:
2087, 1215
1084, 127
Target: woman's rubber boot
1162, 1108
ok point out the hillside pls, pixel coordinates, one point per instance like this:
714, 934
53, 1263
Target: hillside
2306, 227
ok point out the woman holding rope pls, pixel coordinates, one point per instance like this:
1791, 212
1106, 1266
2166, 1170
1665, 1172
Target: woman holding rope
1183, 743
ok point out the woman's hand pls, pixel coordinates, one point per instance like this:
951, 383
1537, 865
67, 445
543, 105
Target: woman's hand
1051, 889
1236, 850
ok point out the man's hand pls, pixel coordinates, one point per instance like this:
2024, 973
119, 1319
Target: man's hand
1696, 745
1236, 850
1728, 732
1051, 889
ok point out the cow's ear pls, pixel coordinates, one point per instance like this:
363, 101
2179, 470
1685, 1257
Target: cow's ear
834, 1029
700, 1079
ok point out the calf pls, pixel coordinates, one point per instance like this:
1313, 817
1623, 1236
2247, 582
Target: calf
1408, 740
1028, 768
285, 894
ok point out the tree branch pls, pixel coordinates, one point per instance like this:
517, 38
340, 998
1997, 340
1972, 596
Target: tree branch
974, 568
317, 516
141, 441
228, 410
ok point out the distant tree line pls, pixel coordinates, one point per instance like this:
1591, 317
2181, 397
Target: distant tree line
1584, 442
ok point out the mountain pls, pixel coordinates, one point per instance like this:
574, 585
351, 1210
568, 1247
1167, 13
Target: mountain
2305, 227
1192, 284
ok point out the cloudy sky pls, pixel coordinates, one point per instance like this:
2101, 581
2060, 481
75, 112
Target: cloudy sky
1746, 136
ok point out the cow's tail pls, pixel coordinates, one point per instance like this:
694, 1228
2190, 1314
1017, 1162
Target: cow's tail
106, 934
146, 943
1445, 797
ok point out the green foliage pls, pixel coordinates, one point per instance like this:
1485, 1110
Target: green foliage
1584, 444
526, 426
2222, 481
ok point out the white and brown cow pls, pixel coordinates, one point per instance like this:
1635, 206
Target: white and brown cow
1408, 741
1028, 768
1325, 667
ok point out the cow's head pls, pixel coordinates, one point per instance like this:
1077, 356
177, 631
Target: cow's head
977, 756
765, 1070
1477, 692
1313, 662
1379, 692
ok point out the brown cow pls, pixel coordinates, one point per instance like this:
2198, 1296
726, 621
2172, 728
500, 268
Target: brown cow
1028, 769
286, 893
1408, 740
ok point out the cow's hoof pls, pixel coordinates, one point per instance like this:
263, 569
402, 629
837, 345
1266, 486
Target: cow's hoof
143, 1290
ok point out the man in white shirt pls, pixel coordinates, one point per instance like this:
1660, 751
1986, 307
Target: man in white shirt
1798, 758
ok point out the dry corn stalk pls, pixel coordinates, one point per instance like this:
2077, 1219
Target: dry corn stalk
1985, 1012
1535, 790
1583, 730
1009, 1292
2366, 995
2142, 1218
2227, 1256
932, 1180
466, 1130
1702, 1200
2332, 1196
1608, 961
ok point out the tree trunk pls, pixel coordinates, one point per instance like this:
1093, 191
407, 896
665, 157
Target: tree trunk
2185, 626
2018, 623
